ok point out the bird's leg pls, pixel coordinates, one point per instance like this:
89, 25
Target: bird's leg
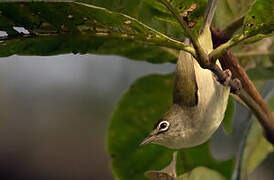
224, 77
227, 77
236, 86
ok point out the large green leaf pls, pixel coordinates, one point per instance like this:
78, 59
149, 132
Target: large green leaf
70, 27
153, 13
192, 10
45, 46
55, 18
136, 113
260, 18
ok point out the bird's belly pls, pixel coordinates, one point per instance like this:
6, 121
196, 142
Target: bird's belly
208, 114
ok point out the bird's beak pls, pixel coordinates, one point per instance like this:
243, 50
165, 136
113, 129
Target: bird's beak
147, 140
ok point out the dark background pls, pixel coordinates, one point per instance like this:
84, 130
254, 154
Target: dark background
55, 112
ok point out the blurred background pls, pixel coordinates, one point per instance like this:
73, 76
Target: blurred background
55, 112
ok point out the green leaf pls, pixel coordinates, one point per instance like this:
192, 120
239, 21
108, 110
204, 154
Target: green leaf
227, 122
46, 46
136, 113
201, 173
153, 13
192, 10
260, 18
71, 27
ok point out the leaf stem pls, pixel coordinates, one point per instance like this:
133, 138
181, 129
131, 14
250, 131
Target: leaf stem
216, 53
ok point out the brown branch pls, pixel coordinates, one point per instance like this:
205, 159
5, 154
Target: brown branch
250, 95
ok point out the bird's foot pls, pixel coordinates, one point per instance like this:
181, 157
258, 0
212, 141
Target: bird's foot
224, 77
226, 80
236, 86
227, 77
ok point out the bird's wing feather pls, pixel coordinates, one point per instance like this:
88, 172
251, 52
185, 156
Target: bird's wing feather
185, 85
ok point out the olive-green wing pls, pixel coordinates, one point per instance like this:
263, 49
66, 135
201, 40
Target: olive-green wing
185, 85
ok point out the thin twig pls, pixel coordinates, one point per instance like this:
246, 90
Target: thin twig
217, 53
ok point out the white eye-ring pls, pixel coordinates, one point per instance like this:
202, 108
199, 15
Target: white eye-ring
163, 126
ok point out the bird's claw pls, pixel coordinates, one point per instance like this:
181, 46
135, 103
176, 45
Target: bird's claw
225, 78
228, 76
235, 84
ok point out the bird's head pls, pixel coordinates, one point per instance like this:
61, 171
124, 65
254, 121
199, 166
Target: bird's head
166, 132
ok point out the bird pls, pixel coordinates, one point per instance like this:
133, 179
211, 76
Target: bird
198, 107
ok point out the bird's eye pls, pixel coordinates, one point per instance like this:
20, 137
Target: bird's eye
163, 126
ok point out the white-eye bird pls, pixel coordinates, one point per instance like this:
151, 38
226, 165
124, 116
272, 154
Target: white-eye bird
199, 103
